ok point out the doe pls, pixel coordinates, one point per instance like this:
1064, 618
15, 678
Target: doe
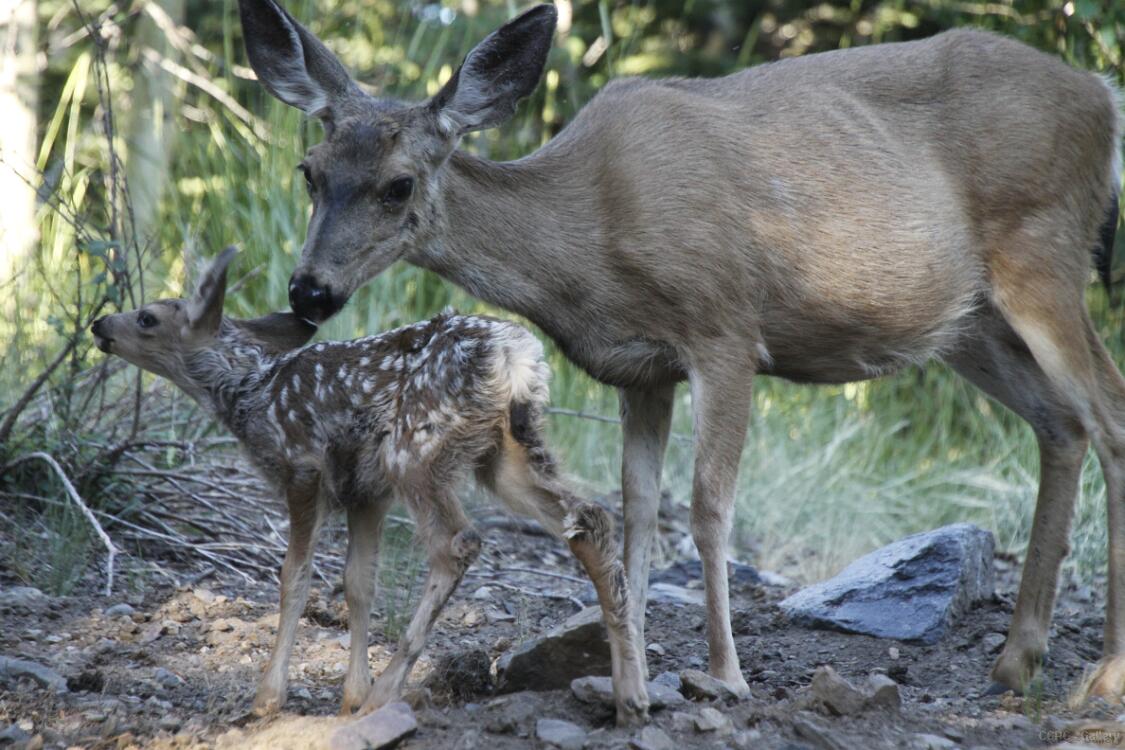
405, 416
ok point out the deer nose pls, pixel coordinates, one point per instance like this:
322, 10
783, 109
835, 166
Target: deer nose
310, 299
96, 328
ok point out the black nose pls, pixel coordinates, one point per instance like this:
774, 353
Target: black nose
96, 328
312, 300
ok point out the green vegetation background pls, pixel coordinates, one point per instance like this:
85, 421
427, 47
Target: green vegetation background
209, 160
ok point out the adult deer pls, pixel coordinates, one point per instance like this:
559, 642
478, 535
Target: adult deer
824, 219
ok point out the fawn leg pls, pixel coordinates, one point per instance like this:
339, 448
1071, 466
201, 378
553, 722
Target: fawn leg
365, 527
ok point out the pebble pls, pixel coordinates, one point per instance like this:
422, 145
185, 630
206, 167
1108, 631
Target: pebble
839, 696
652, 738
713, 720
561, 734
698, 685
655, 648
120, 610
931, 742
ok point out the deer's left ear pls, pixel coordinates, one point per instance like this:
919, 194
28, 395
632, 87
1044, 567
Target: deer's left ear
205, 310
278, 332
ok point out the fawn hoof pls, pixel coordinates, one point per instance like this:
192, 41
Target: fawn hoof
633, 711
1107, 681
267, 703
998, 688
738, 686
1015, 670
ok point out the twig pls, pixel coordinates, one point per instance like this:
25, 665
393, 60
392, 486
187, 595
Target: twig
541, 594
547, 573
17, 409
111, 550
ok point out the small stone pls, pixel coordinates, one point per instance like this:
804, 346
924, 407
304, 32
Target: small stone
883, 692
713, 720
95, 716
893, 652
204, 596
302, 693
484, 593
13, 734
839, 696
931, 742
166, 678
655, 648
599, 690
652, 738
11, 668
822, 738
993, 642
750, 738
700, 686
171, 723
120, 610
561, 734
26, 598
669, 679
683, 721
381, 728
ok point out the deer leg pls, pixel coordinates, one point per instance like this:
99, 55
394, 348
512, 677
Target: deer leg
1052, 320
721, 401
452, 546
296, 573
646, 416
365, 527
996, 360
523, 482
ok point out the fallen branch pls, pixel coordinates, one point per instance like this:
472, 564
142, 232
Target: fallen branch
111, 550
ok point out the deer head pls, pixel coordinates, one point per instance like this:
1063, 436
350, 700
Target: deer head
374, 178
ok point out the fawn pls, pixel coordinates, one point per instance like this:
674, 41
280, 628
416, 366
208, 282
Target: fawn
404, 415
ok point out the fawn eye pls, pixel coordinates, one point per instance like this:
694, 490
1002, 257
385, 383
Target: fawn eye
398, 191
146, 319
308, 178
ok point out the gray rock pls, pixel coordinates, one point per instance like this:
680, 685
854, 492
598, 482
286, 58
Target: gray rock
652, 738
577, 647
11, 669
165, 678
713, 720
670, 593
379, 729
839, 696
13, 734
882, 692
993, 642
22, 598
669, 679
700, 686
512, 714
931, 742
683, 572
599, 691
120, 610
818, 736
911, 590
560, 734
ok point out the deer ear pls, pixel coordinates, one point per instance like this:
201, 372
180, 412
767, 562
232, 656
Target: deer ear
497, 73
205, 310
290, 61
278, 332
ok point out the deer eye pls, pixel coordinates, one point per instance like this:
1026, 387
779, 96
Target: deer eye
307, 174
145, 319
398, 191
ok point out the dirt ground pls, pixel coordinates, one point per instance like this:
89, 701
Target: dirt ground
179, 670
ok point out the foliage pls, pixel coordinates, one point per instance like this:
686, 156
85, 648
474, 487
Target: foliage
150, 104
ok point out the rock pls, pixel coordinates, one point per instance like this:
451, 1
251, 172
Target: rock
511, 714
576, 648
700, 686
682, 721
599, 690
668, 593
993, 642
747, 739
820, 737
684, 572
165, 678
381, 728
910, 590
560, 734
882, 692
13, 734
22, 599
931, 742
120, 610
839, 696
669, 679
11, 669
652, 738
462, 676
656, 649
713, 720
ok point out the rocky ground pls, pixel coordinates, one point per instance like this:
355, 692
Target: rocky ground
176, 668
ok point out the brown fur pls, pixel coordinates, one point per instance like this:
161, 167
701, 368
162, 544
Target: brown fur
829, 218
406, 416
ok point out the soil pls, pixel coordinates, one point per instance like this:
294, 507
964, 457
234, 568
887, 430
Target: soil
180, 671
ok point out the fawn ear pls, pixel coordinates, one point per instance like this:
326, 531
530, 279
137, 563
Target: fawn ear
497, 73
278, 332
205, 310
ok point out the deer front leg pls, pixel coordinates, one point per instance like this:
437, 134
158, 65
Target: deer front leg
721, 409
646, 416
452, 546
296, 572
365, 527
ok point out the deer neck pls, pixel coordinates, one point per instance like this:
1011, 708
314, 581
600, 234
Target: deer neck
227, 377
514, 233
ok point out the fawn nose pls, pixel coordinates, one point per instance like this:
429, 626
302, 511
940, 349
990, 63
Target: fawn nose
310, 299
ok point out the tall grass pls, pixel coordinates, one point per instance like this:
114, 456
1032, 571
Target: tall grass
828, 472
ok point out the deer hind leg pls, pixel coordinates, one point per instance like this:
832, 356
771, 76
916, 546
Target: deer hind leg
996, 360
365, 527
720, 399
1047, 312
525, 480
646, 418
452, 545
305, 515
